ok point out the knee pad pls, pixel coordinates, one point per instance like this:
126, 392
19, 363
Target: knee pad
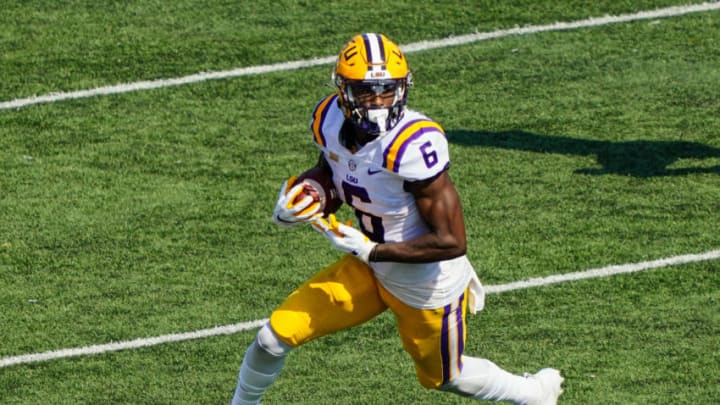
269, 341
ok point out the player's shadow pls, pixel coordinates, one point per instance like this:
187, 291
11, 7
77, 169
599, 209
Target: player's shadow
631, 158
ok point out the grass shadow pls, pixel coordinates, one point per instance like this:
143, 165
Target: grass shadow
631, 158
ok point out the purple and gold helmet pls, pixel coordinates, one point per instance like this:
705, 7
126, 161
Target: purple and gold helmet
372, 64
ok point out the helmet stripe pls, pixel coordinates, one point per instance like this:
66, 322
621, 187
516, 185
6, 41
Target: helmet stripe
374, 48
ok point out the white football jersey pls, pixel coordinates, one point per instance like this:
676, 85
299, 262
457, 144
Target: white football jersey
372, 181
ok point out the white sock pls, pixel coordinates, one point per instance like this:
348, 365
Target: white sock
263, 361
483, 380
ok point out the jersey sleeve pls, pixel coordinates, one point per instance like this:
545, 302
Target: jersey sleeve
418, 152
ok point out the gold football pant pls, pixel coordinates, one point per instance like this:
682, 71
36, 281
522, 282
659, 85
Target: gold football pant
347, 293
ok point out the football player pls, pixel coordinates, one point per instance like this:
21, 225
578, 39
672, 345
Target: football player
390, 164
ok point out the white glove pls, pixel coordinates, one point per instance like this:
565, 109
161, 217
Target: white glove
345, 238
288, 212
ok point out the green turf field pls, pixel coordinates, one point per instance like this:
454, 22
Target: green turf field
147, 213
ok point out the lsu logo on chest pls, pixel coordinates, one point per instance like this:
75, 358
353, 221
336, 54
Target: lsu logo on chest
357, 173
351, 175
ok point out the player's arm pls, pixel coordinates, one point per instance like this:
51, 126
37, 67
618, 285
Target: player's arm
439, 205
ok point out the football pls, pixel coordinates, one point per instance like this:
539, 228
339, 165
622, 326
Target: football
319, 185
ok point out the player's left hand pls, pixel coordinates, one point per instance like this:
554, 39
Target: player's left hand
344, 237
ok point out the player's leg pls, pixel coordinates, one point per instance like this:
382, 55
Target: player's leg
435, 340
338, 297
260, 367
483, 380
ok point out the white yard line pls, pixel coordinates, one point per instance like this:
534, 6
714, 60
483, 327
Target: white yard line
414, 47
245, 326
604, 272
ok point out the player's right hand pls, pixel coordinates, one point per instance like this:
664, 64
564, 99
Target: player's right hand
345, 238
288, 211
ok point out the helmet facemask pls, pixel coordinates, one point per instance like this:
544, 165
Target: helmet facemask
363, 110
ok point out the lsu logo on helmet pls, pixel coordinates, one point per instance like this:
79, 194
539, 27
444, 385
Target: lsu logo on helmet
371, 57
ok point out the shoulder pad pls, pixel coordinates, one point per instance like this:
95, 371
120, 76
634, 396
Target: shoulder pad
418, 151
318, 118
